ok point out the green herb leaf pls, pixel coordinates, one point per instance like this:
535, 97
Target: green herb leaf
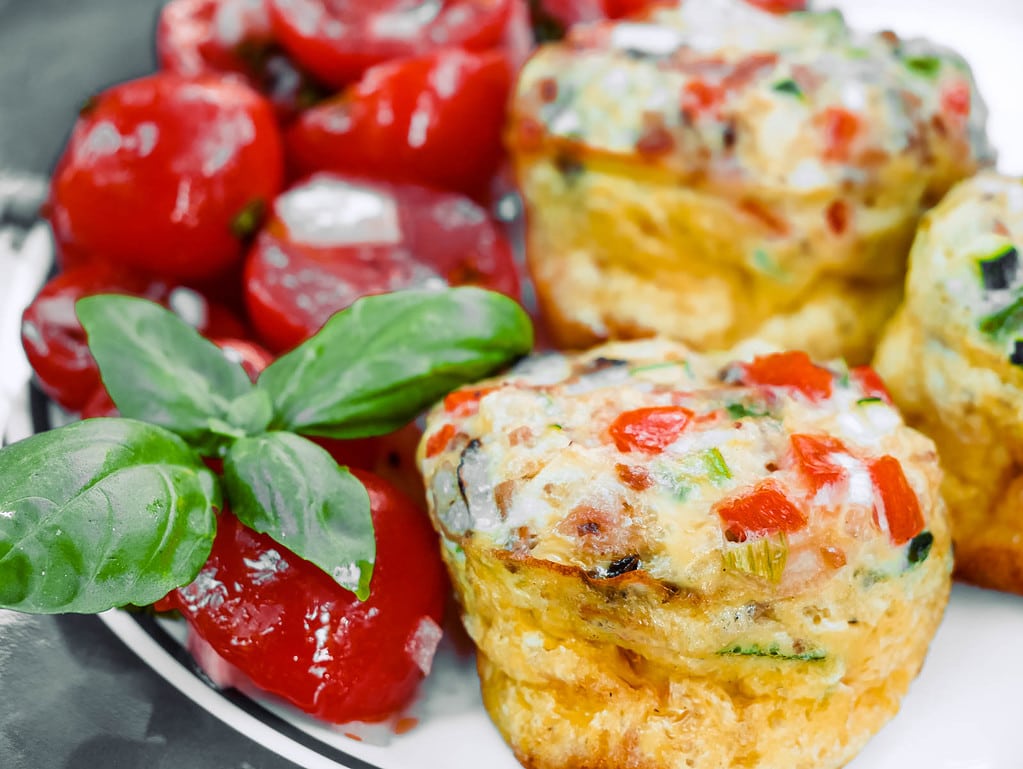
741, 410
292, 490
716, 467
789, 86
101, 513
159, 369
376, 365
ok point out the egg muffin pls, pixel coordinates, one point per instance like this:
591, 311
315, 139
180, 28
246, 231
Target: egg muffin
675, 560
953, 360
717, 172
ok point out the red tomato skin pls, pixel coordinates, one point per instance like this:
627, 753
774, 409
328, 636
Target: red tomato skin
899, 504
55, 341
434, 120
158, 169
296, 633
295, 280
231, 37
870, 383
762, 512
649, 430
811, 453
335, 39
790, 369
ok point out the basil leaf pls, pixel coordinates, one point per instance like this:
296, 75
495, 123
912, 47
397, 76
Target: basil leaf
101, 513
293, 490
376, 365
159, 369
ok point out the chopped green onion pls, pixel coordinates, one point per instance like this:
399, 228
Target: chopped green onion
717, 468
662, 364
740, 410
1006, 319
865, 401
762, 557
999, 271
927, 66
774, 650
919, 547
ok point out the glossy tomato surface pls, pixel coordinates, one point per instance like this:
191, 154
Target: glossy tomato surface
168, 174
337, 40
197, 37
55, 341
293, 631
333, 239
434, 120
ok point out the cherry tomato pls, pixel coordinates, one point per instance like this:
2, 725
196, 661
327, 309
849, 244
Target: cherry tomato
202, 37
167, 174
870, 383
762, 512
789, 369
295, 632
649, 429
338, 40
335, 238
55, 341
899, 509
780, 6
434, 120
569, 12
813, 454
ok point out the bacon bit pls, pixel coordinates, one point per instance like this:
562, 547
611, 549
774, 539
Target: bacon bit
637, 478
838, 217
746, 69
889, 37
439, 441
770, 220
899, 506
833, 556
405, 725
840, 130
548, 88
502, 496
606, 531
999, 228
529, 134
955, 100
654, 141
807, 78
870, 383
464, 403
520, 435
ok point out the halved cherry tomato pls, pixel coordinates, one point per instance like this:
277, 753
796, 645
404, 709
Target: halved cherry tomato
762, 512
55, 342
338, 40
333, 239
295, 632
202, 37
780, 6
789, 369
168, 174
870, 383
649, 429
433, 120
899, 509
813, 457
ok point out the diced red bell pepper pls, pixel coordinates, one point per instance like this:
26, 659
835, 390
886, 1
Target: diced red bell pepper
762, 512
790, 369
649, 429
813, 456
898, 509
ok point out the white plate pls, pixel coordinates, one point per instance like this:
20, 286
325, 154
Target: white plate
963, 712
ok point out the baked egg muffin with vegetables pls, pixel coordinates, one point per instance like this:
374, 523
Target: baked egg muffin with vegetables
716, 172
668, 559
953, 357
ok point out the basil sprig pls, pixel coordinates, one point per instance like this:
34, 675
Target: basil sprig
110, 512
